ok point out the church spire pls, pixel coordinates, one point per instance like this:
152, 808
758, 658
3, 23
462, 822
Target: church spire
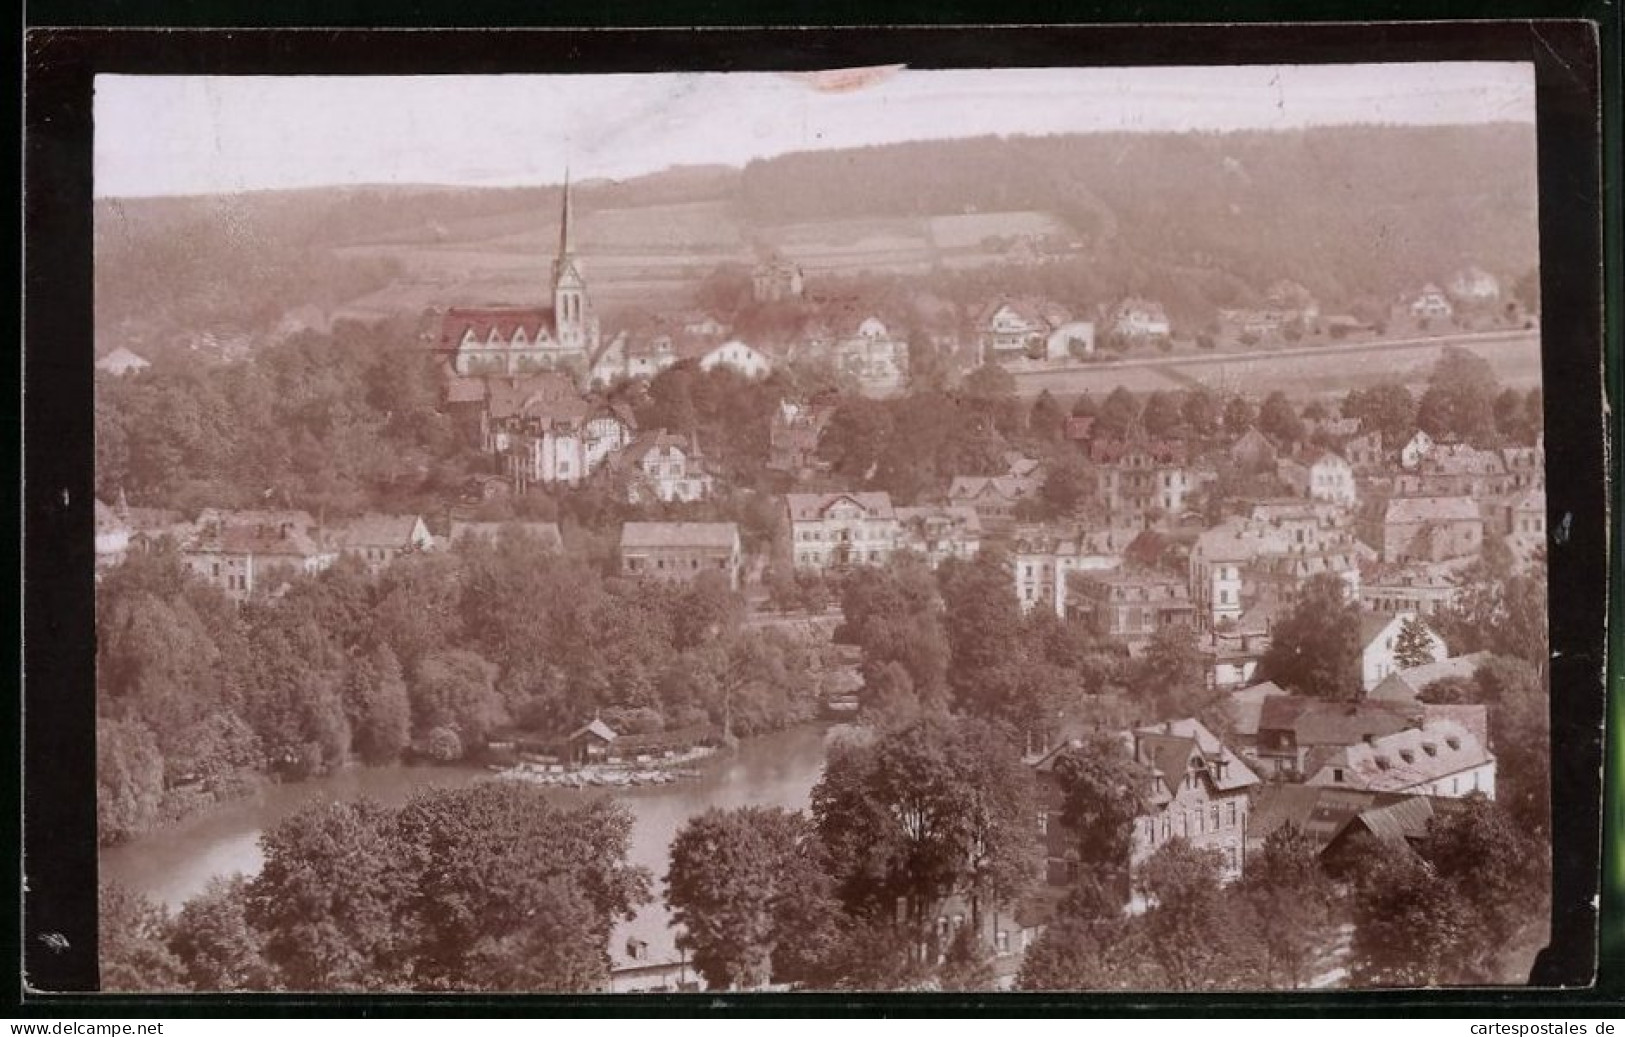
564, 220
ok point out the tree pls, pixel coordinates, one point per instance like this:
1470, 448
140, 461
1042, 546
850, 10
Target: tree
1415, 644
1200, 412
216, 945
1386, 407
1496, 870
129, 780
1089, 945
1046, 421
1102, 790
729, 871
329, 899
1286, 888
1085, 406
1172, 672
1520, 732
1279, 420
1239, 416
1189, 930
454, 690
1409, 925
1162, 416
1118, 415
1460, 398
939, 807
1315, 649
1066, 486
133, 956
378, 707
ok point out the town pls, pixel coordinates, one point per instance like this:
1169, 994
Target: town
1187, 687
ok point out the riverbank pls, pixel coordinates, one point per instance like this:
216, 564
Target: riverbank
672, 769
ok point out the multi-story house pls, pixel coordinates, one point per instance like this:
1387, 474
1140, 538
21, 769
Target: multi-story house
664, 467
868, 351
939, 532
1364, 453
1130, 606
1420, 587
560, 440
1136, 318
994, 498
1440, 758
1044, 559
248, 558
793, 437
1525, 467
1192, 787
1430, 303
379, 539
1139, 482
1456, 470
681, 551
1017, 329
837, 530
1431, 529
1328, 478
736, 356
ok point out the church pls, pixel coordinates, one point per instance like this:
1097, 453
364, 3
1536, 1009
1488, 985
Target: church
515, 340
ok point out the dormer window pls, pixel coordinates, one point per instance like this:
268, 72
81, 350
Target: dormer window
1430, 748
1407, 756
1453, 742
1382, 763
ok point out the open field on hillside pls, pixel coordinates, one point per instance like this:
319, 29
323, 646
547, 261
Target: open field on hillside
1328, 371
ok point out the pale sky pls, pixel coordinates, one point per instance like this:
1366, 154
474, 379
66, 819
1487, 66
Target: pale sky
159, 135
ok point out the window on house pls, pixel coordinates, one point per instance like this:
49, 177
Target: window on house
1213, 817
1004, 941
1232, 813
1337, 774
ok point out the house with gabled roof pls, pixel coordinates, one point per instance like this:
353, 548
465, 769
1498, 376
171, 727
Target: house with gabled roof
1139, 318
666, 467
1017, 328
1191, 787
379, 539
1440, 758
994, 497
246, 558
939, 532
1431, 529
1379, 643
1326, 476
841, 529
681, 551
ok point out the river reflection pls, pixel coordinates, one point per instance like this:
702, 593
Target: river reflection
774, 770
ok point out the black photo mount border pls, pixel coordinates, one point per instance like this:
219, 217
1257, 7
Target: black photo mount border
58, 802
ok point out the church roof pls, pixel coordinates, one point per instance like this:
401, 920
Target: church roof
534, 321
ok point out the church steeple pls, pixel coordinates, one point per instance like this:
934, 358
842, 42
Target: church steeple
565, 249
573, 323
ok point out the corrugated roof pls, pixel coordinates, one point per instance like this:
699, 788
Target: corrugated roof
374, 530
718, 535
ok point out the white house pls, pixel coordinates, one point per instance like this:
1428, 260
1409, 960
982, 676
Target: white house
834, 530
1475, 286
1328, 478
1430, 302
748, 361
1140, 318
1379, 642
666, 467
1415, 449
1440, 758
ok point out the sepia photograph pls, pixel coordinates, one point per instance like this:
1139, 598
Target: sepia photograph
877, 529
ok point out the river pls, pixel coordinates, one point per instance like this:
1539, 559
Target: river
176, 863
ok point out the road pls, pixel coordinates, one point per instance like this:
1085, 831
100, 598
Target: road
1296, 363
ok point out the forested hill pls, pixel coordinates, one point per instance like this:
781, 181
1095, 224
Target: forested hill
1354, 213
1345, 209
